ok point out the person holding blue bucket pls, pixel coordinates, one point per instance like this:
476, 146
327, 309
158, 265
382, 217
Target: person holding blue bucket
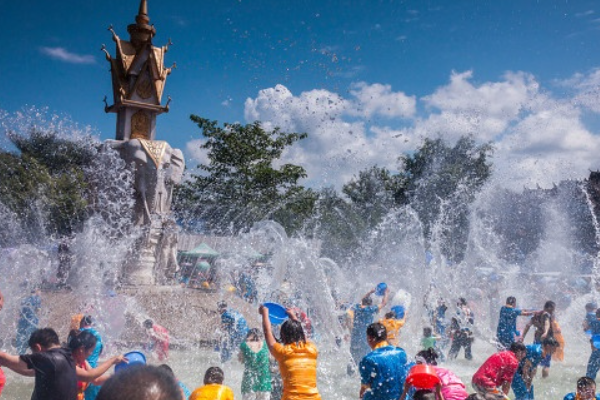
296, 357
364, 314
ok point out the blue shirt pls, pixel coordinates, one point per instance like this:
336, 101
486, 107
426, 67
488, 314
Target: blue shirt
571, 396
534, 355
507, 323
363, 317
29, 308
595, 326
234, 323
93, 358
384, 370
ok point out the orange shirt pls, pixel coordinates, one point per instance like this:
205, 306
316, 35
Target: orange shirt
298, 368
212, 391
392, 327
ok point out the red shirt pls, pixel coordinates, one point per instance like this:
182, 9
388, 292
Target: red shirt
496, 370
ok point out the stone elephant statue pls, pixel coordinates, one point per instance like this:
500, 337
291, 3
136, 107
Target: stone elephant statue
157, 168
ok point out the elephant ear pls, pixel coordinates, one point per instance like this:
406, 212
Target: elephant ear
177, 165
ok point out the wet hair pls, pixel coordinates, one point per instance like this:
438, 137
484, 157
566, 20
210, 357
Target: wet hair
221, 305
45, 337
424, 394
427, 331
511, 300
585, 382
253, 335
292, 332
148, 323
550, 341
549, 305
79, 339
367, 301
517, 346
390, 315
167, 369
377, 331
140, 382
462, 301
589, 307
86, 321
214, 375
430, 356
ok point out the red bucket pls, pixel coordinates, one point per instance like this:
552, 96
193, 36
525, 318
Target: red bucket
423, 376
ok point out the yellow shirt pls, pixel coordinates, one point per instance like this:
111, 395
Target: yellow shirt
212, 391
392, 326
298, 368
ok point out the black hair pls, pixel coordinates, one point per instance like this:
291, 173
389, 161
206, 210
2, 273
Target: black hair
367, 301
427, 331
78, 339
430, 356
140, 382
517, 346
550, 341
167, 369
390, 314
86, 321
424, 394
292, 332
591, 307
462, 301
214, 375
45, 337
377, 331
254, 335
585, 382
148, 323
512, 300
549, 305
221, 305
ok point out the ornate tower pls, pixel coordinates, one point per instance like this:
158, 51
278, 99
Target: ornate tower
138, 79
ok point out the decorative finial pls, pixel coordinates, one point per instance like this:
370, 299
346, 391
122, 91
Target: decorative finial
142, 17
141, 32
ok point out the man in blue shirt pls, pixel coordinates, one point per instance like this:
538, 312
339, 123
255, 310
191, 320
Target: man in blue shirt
522, 384
382, 371
364, 313
594, 361
28, 320
235, 327
507, 323
586, 390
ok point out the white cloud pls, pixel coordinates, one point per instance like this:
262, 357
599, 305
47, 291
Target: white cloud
539, 137
62, 54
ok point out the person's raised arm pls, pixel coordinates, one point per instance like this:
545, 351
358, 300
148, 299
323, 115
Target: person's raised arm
266, 324
370, 292
92, 374
385, 298
16, 364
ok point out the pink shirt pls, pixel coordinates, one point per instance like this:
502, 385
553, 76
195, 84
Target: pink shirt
496, 370
452, 386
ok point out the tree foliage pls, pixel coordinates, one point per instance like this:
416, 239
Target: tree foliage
241, 183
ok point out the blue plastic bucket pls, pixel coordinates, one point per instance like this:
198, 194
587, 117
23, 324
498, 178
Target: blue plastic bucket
277, 313
380, 289
399, 311
133, 358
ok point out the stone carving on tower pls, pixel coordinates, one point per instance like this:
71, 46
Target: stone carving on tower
138, 81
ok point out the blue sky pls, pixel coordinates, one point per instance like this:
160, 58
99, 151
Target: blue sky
366, 79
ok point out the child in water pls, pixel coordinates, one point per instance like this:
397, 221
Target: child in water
254, 354
213, 387
429, 340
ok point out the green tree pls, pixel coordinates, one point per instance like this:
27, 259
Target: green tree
241, 184
441, 182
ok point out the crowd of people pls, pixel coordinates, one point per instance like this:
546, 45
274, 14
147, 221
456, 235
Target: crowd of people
72, 370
